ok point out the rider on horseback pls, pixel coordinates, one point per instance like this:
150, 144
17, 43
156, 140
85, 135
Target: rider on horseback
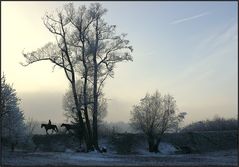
49, 126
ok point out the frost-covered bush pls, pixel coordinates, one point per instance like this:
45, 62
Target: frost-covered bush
155, 115
14, 129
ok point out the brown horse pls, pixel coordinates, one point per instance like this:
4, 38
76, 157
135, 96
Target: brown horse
48, 126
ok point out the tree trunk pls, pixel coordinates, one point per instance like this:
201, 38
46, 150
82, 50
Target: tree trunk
80, 119
151, 144
12, 147
86, 112
95, 93
156, 145
85, 96
95, 112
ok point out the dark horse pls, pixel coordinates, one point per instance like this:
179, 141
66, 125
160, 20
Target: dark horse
69, 127
47, 127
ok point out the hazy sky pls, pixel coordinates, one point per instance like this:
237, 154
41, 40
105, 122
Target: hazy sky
187, 49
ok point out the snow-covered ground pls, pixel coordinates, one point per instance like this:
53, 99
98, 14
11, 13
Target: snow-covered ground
226, 158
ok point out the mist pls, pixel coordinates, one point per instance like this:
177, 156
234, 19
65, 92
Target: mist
42, 106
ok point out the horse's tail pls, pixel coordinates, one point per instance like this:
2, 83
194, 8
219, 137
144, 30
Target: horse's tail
56, 128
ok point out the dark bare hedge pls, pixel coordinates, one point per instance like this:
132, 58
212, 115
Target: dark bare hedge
55, 142
203, 141
124, 143
128, 143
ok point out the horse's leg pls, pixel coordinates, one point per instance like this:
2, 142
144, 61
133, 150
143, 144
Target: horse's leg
70, 132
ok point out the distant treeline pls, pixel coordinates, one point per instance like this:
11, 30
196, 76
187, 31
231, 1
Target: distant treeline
216, 124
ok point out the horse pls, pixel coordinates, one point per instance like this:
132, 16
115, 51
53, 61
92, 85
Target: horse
69, 127
47, 127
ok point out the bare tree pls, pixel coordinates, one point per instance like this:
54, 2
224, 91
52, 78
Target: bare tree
81, 20
87, 47
31, 126
61, 54
107, 49
155, 115
101, 49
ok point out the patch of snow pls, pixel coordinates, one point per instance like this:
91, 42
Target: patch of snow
69, 150
167, 148
164, 148
91, 156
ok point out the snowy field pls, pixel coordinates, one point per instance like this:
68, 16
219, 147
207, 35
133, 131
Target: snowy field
221, 158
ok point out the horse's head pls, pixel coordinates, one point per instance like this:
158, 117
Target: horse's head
42, 125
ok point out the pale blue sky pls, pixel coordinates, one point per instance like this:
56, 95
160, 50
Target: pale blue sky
187, 49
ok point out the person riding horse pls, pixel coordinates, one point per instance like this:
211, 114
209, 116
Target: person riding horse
49, 126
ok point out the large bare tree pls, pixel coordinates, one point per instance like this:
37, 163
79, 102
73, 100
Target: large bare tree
155, 115
107, 49
87, 49
81, 19
61, 54
101, 50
